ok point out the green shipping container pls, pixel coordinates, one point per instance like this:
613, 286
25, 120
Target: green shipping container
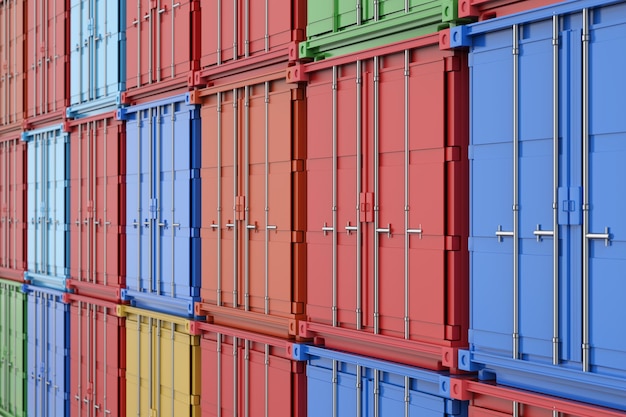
12, 350
337, 27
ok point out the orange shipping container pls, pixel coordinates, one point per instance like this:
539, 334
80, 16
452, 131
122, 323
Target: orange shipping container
253, 212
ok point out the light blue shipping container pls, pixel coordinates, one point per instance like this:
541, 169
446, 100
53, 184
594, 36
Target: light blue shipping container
47, 356
163, 205
548, 230
97, 56
48, 207
343, 384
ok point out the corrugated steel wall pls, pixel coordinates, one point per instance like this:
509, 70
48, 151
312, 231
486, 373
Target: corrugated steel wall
301, 208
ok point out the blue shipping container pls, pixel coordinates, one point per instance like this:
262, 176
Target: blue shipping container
97, 56
342, 384
548, 231
47, 356
163, 205
48, 207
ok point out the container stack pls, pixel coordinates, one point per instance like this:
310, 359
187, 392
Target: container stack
304, 207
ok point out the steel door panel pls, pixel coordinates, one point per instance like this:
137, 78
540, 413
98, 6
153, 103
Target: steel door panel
80, 185
320, 392
320, 17
34, 241
46, 55
138, 33
174, 27
12, 71
48, 344
13, 336
281, 20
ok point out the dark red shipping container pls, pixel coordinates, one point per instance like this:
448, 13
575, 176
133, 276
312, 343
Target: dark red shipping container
248, 374
387, 202
490, 400
253, 211
241, 34
162, 47
98, 206
12, 207
12, 38
488, 9
97, 358
47, 60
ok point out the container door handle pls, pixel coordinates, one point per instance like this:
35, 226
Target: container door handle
606, 236
327, 229
350, 229
230, 225
135, 223
176, 225
251, 226
272, 227
501, 233
215, 226
146, 223
385, 230
542, 233
417, 231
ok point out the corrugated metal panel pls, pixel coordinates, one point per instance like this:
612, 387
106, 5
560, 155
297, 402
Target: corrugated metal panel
336, 28
240, 35
249, 374
490, 400
98, 207
48, 199
12, 72
387, 202
97, 358
490, 9
340, 384
48, 344
254, 213
163, 371
163, 45
548, 237
163, 205
13, 207
47, 72
13, 353
98, 55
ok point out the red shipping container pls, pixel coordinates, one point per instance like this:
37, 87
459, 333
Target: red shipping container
98, 206
13, 207
162, 47
238, 35
253, 211
488, 9
47, 60
490, 400
97, 358
387, 202
248, 374
12, 38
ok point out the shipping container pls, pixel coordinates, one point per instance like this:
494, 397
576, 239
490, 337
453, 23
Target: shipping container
47, 206
13, 353
387, 201
97, 358
239, 35
97, 57
163, 47
341, 27
490, 400
548, 240
163, 205
490, 9
47, 57
48, 345
253, 208
342, 384
98, 206
13, 205
163, 365
12, 72
249, 374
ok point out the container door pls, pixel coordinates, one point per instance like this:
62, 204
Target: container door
35, 231
335, 392
5, 191
173, 199
603, 167
12, 37
79, 55
138, 185
13, 361
139, 51
320, 17
322, 227
57, 188
174, 27
109, 47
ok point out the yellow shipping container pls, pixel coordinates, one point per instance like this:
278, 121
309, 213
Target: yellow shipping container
162, 365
